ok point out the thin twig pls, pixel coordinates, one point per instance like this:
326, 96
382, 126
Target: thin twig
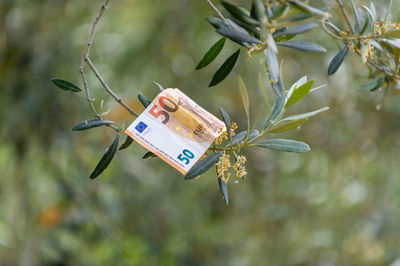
389, 72
108, 89
86, 59
219, 14
346, 16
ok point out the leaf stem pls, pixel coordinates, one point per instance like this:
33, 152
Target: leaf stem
346, 16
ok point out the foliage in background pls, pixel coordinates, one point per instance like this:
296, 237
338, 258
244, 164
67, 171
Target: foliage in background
335, 205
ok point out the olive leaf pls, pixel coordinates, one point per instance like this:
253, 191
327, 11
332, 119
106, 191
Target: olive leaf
227, 122
224, 190
337, 61
287, 125
225, 69
127, 143
306, 8
212, 53
303, 46
239, 138
87, 124
245, 99
239, 13
106, 159
202, 166
144, 100
273, 69
66, 85
299, 93
149, 154
284, 145
298, 29
373, 85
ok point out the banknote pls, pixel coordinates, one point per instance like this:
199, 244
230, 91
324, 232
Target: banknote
176, 129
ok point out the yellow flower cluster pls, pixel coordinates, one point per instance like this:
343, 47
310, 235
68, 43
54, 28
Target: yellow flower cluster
383, 26
224, 164
239, 168
224, 135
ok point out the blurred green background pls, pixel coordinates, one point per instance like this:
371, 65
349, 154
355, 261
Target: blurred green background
336, 205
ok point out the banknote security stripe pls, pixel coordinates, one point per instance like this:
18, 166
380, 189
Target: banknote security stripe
176, 129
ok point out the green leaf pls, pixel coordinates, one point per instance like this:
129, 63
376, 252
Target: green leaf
303, 46
126, 144
106, 159
277, 110
245, 99
273, 69
149, 154
239, 138
373, 85
305, 115
227, 122
65, 85
370, 13
284, 145
357, 20
239, 14
87, 124
392, 34
225, 69
237, 34
337, 61
263, 92
295, 30
158, 85
212, 53
287, 125
144, 100
296, 85
299, 93
202, 166
306, 8
224, 190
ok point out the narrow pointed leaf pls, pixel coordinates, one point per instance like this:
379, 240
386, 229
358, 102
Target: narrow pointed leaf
295, 30
227, 122
284, 145
212, 53
239, 14
237, 34
299, 93
357, 20
202, 166
306, 8
277, 110
87, 124
337, 61
305, 115
392, 34
303, 46
239, 138
106, 159
158, 85
273, 68
126, 144
66, 85
245, 99
149, 154
224, 190
373, 85
287, 125
144, 100
225, 69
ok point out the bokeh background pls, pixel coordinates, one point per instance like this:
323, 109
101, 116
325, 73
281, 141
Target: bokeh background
336, 205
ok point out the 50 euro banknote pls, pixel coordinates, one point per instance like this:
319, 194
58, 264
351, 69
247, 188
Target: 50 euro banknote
176, 129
